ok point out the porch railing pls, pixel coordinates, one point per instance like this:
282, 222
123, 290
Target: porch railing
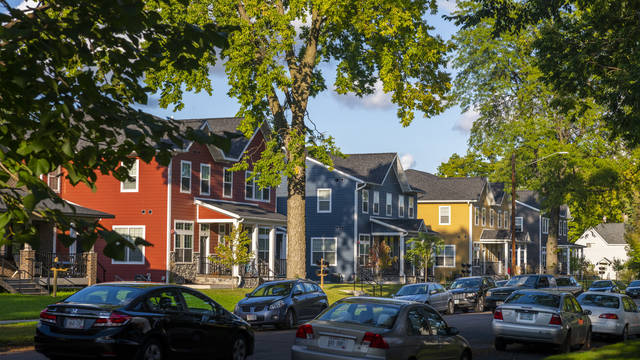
215, 268
75, 263
259, 268
280, 268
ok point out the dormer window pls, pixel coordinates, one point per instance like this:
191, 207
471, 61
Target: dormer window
400, 205
389, 204
53, 179
411, 207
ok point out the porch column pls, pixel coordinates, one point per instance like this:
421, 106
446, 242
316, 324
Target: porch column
272, 249
92, 268
484, 259
506, 258
568, 261
27, 262
525, 259
254, 242
518, 255
401, 259
235, 269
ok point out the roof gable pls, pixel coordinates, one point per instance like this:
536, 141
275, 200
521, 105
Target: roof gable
612, 233
435, 188
370, 168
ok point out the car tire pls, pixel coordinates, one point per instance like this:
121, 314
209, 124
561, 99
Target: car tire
151, 350
625, 333
565, 347
587, 340
450, 308
480, 304
499, 344
289, 319
239, 349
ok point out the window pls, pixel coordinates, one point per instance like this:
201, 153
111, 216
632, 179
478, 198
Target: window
185, 176
446, 256
222, 230
477, 215
250, 185
444, 215
492, 214
376, 203
499, 219
125, 186
204, 234
484, 217
198, 305
518, 223
205, 177
324, 200
53, 179
545, 225
183, 241
389, 204
418, 324
263, 244
131, 256
400, 205
253, 191
365, 201
364, 246
323, 248
227, 183
411, 207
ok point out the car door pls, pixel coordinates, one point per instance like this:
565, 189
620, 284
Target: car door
443, 296
448, 348
178, 329
211, 330
569, 316
321, 299
300, 301
582, 319
420, 340
631, 314
313, 299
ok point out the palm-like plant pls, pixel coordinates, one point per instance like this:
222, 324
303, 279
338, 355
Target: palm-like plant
423, 249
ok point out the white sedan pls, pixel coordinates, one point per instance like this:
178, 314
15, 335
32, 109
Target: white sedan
611, 313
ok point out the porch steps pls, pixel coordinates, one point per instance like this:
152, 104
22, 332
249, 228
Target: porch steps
23, 286
215, 281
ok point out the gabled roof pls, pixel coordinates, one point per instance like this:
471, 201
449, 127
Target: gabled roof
490, 234
497, 189
226, 127
435, 188
241, 210
528, 197
66, 208
371, 168
612, 233
405, 225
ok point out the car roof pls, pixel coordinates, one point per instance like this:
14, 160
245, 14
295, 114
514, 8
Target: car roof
602, 293
137, 284
541, 291
472, 277
422, 283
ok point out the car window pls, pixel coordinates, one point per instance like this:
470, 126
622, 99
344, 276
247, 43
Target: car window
543, 282
440, 288
298, 287
574, 282
308, 287
418, 323
318, 288
567, 305
629, 305
105, 294
369, 314
601, 283
164, 301
437, 325
576, 307
635, 283
597, 300
413, 289
273, 289
537, 298
563, 282
196, 304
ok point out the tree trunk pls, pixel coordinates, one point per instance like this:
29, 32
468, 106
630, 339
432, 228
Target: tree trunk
552, 241
296, 234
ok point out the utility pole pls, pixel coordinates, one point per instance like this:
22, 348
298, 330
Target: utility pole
513, 214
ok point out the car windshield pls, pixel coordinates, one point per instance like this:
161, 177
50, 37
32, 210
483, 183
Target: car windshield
109, 295
635, 283
601, 283
563, 282
466, 283
278, 289
606, 301
368, 314
412, 290
549, 300
524, 281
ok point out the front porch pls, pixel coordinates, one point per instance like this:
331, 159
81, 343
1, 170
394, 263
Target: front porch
492, 254
569, 258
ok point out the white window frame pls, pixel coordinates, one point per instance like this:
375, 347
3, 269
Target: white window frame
376, 203
499, 219
208, 192
521, 227
125, 262
363, 238
411, 211
389, 204
335, 240
224, 182
484, 216
204, 231
255, 189
56, 175
182, 177
400, 205
436, 255
492, 218
365, 209
136, 164
545, 225
318, 200
184, 232
440, 215
477, 215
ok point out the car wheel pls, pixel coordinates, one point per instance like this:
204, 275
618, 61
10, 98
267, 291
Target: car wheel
151, 350
290, 319
565, 347
450, 308
480, 304
625, 333
499, 344
239, 350
587, 341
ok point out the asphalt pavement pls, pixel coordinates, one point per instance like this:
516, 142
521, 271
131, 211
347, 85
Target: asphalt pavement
274, 344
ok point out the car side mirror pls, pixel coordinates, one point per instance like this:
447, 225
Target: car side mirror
247, 294
452, 331
586, 312
433, 292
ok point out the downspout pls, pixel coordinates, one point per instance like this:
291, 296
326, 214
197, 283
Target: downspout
355, 227
167, 257
470, 238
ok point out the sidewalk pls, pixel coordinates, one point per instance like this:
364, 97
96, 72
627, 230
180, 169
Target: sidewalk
5, 322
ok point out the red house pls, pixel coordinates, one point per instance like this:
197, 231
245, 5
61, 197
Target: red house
185, 208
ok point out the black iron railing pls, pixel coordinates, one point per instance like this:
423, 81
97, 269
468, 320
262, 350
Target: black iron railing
215, 268
280, 267
258, 268
75, 263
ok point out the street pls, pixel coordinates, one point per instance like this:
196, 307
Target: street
475, 327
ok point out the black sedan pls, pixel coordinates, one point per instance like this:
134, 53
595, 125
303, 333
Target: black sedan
141, 321
469, 292
497, 296
633, 290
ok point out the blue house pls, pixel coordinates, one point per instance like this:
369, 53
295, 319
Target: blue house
364, 199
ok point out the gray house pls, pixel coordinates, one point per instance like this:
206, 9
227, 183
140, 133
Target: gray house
363, 200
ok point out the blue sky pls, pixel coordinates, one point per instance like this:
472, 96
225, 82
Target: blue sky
358, 125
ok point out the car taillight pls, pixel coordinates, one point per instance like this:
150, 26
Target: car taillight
46, 317
555, 320
115, 319
374, 341
608, 316
305, 332
497, 315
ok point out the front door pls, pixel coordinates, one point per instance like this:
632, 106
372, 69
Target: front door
204, 248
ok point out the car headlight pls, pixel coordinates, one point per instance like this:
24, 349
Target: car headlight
489, 293
276, 305
470, 295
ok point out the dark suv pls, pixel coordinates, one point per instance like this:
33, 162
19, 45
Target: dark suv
497, 296
469, 293
282, 303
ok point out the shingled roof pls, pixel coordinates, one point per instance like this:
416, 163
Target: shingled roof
612, 233
371, 168
224, 126
528, 197
436, 188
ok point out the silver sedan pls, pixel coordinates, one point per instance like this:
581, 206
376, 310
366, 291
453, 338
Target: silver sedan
379, 328
611, 313
542, 316
430, 293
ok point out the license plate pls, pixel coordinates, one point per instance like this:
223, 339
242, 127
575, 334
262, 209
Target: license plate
526, 316
336, 342
74, 323
252, 317
456, 301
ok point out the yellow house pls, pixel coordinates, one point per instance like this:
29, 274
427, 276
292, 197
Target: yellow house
472, 216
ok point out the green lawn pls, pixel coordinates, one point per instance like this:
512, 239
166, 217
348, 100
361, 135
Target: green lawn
16, 335
626, 350
26, 307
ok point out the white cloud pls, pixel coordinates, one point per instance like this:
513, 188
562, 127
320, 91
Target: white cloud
448, 5
465, 122
27, 5
407, 161
378, 100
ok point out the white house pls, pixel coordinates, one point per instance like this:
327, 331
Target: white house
604, 244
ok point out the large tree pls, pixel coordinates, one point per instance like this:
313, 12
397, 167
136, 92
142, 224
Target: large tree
275, 64
70, 77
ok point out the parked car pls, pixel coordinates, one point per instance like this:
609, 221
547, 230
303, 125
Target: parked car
541, 316
469, 292
282, 303
141, 320
633, 290
569, 284
604, 286
428, 293
497, 296
611, 313
379, 328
